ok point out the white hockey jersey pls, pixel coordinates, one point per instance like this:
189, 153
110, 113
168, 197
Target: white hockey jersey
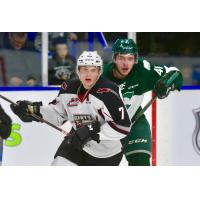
103, 103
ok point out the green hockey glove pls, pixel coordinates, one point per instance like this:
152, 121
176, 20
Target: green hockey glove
169, 82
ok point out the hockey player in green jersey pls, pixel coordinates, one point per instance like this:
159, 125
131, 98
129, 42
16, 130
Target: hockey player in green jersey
135, 76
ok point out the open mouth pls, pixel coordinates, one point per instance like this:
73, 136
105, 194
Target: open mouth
125, 69
88, 79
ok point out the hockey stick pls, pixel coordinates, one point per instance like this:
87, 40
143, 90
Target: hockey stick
37, 117
169, 82
136, 117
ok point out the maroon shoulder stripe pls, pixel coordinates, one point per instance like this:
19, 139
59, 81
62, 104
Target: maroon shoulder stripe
117, 128
101, 114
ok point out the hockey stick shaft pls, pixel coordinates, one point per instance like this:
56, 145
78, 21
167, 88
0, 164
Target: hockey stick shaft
136, 117
169, 82
37, 117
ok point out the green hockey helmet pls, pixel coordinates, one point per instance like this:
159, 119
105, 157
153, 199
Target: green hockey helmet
125, 46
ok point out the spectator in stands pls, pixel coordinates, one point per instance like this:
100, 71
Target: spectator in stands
16, 81
17, 41
19, 58
68, 35
36, 38
62, 65
32, 81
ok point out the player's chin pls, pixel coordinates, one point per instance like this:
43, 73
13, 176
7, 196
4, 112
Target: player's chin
88, 84
125, 72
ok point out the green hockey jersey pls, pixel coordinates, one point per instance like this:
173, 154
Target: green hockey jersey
141, 79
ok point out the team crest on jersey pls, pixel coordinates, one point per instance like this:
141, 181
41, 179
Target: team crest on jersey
81, 119
196, 133
73, 102
128, 95
128, 98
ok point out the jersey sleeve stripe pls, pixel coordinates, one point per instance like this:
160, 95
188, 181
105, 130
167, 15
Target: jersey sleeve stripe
101, 114
119, 129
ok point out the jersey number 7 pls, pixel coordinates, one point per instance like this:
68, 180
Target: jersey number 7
121, 110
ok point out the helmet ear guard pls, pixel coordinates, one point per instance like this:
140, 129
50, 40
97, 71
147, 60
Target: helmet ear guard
125, 46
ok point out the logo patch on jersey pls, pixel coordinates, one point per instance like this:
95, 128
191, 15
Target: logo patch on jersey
80, 120
106, 90
122, 86
196, 132
73, 102
138, 141
132, 86
64, 86
103, 90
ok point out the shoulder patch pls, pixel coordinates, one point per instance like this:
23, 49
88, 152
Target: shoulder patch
64, 86
106, 90
103, 90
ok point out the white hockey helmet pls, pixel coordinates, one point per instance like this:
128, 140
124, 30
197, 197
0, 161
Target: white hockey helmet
90, 58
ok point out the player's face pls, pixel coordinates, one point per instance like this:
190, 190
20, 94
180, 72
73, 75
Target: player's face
88, 75
124, 63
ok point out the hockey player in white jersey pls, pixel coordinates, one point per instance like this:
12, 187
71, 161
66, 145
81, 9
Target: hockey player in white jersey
96, 111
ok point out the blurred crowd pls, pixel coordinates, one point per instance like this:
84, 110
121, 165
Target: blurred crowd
21, 54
